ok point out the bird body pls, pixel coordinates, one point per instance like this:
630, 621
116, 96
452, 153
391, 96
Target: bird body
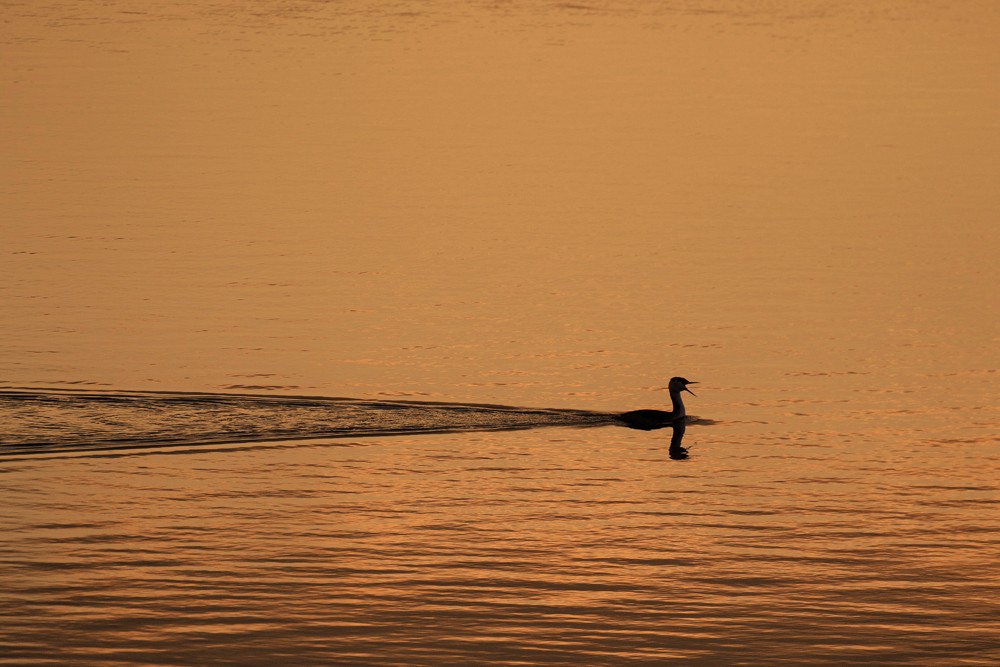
648, 420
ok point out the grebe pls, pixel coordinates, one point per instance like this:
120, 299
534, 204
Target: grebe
648, 420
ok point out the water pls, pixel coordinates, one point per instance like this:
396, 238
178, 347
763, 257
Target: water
48, 422
315, 315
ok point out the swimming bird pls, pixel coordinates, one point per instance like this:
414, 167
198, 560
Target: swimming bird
648, 420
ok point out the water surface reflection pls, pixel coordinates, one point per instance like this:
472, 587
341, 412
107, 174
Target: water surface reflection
517, 203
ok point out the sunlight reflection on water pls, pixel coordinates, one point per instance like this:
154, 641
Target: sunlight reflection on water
523, 203
551, 547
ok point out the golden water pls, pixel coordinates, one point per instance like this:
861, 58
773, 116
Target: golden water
553, 205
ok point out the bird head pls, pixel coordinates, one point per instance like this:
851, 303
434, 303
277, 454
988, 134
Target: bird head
680, 384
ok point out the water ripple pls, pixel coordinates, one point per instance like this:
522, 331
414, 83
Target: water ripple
51, 421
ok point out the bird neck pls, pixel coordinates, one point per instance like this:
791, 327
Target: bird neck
677, 410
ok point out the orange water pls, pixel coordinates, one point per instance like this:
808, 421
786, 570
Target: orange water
556, 205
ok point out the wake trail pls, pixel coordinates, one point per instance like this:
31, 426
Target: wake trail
64, 420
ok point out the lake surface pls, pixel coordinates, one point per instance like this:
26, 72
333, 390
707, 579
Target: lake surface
316, 316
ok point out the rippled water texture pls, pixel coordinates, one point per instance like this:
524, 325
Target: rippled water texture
218, 217
45, 422
534, 547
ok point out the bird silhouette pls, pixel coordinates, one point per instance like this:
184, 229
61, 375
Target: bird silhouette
649, 420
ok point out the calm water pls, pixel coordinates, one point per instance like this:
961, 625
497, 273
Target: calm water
314, 315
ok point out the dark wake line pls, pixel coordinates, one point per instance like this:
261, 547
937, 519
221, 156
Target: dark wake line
75, 420
124, 395
126, 443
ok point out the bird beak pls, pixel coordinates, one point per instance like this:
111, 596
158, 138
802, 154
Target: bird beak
688, 390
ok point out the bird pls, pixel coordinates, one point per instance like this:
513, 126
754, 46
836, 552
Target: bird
648, 420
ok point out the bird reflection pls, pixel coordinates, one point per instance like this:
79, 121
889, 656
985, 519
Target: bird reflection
676, 451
